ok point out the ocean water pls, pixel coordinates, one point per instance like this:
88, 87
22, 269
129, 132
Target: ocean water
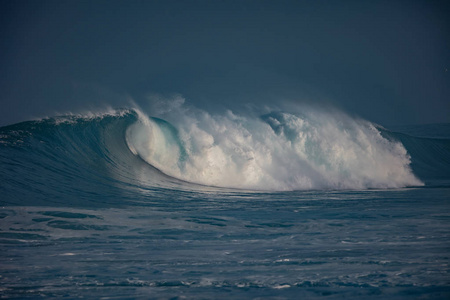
186, 204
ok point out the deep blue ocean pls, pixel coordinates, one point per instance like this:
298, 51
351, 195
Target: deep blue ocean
186, 204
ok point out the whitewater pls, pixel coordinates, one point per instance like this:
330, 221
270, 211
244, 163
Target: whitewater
178, 201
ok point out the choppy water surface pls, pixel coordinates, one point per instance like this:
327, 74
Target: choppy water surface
314, 244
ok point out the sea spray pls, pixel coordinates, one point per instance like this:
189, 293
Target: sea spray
314, 149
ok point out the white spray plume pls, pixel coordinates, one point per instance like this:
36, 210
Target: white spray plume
314, 149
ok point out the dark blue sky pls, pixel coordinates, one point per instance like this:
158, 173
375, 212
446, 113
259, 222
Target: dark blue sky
386, 61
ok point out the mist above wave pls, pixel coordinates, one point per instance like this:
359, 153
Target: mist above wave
277, 150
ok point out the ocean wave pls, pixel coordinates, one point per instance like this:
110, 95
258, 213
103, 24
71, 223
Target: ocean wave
119, 151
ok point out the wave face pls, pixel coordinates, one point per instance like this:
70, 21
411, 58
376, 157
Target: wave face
74, 159
430, 157
116, 153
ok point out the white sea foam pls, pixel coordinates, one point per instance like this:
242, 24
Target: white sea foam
314, 149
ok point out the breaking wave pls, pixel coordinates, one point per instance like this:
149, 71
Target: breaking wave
274, 151
113, 153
